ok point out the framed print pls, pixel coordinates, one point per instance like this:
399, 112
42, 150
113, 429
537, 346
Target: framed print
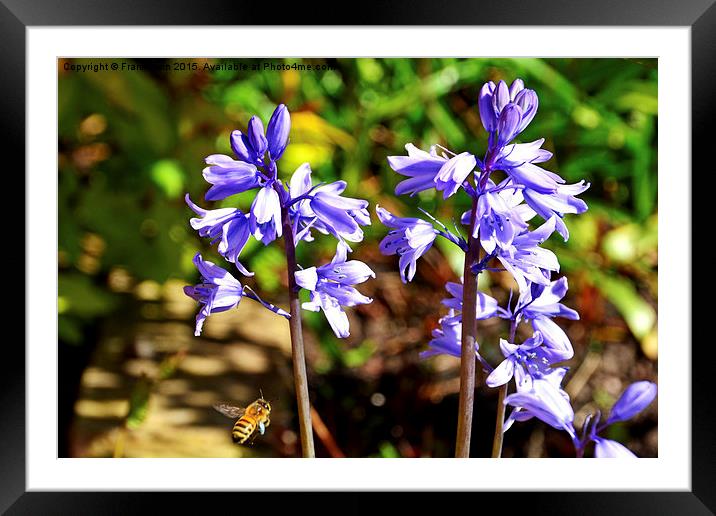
450, 238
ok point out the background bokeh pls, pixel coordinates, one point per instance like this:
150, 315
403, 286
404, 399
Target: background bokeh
135, 382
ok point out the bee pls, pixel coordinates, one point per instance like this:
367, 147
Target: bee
250, 420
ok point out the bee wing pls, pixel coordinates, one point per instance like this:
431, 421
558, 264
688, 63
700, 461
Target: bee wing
229, 410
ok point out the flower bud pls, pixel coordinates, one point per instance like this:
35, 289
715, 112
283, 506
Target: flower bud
256, 137
487, 111
277, 131
240, 145
635, 398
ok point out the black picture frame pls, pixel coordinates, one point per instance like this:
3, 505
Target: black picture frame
700, 15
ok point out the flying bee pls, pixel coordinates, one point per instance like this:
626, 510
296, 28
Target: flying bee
250, 420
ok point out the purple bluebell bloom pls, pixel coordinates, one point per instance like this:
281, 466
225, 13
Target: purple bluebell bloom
266, 215
420, 166
340, 216
517, 154
453, 173
304, 218
331, 287
539, 303
242, 148
486, 306
427, 170
300, 211
501, 217
556, 340
526, 260
234, 237
544, 301
535, 178
529, 355
228, 226
219, 291
558, 203
447, 338
410, 238
210, 223
542, 398
228, 177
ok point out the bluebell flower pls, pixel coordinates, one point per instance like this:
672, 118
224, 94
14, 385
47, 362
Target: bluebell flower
526, 260
302, 216
543, 398
228, 177
517, 154
427, 170
501, 216
486, 305
257, 138
500, 221
453, 173
447, 338
234, 236
410, 238
228, 226
340, 216
265, 217
558, 203
420, 166
219, 291
539, 303
210, 223
544, 301
530, 355
535, 178
337, 215
331, 288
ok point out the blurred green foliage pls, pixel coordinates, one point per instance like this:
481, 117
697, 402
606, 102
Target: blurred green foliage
132, 143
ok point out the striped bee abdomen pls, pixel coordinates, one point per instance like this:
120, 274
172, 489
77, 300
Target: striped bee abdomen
243, 429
